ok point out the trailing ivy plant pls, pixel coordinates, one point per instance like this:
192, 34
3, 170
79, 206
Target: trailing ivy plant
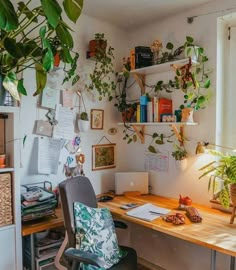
26, 41
102, 77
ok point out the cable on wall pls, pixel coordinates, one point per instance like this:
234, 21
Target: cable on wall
191, 19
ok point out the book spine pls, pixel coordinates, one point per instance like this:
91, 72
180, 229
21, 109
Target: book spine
149, 112
155, 107
143, 113
138, 113
165, 107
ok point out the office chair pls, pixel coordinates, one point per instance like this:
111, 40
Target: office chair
79, 189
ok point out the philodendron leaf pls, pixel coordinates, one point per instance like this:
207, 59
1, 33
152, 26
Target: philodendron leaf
41, 79
64, 35
52, 10
48, 60
8, 17
21, 89
15, 49
10, 83
73, 9
207, 84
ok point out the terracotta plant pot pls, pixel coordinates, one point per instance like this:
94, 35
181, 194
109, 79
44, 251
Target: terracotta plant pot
95, 45
127, 115
57, 60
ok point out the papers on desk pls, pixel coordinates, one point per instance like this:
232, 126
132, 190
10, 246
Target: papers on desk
147, 212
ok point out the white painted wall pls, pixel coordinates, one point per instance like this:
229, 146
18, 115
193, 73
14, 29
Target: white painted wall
131, 157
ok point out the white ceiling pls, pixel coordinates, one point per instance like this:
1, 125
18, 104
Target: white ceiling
128, 14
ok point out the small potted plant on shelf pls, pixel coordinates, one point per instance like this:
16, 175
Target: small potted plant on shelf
102, 76
180, 155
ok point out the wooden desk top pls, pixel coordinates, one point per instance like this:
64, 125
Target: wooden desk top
43, 224
214, 232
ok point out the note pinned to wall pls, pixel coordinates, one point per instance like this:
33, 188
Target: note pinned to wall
49, 98
157, 161
64, 129
67, 98
48, 155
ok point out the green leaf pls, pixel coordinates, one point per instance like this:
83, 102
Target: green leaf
48, 60
189, 39
207, 84
21, 89
10, 83
52, 11
169, 46
42, 31
152, 149
159, 142
41, 79
73, 9
8, 17
64, 36
224, 198
135, 138
15, 49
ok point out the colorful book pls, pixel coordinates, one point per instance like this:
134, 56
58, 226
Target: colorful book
164, 107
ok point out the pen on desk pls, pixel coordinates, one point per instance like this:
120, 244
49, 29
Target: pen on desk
157, 213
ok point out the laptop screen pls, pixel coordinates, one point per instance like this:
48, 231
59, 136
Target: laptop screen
131, 181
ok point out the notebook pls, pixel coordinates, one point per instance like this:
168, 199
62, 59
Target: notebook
131, 181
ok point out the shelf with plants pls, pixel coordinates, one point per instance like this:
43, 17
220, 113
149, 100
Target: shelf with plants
160, 68
159, 124
4, 170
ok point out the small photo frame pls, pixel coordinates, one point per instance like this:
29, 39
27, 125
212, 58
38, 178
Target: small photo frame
103, 156
97, 119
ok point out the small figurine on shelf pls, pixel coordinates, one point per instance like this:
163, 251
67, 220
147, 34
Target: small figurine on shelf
156, 48
184, 201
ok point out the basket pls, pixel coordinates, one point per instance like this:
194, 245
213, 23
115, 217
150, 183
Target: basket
6, 217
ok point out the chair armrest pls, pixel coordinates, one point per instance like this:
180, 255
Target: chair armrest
84, 257
120, 224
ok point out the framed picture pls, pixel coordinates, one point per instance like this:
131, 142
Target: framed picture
103, 156
97, 119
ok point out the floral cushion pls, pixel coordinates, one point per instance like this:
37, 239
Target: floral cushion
96, 234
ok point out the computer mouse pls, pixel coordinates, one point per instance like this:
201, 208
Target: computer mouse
105, 198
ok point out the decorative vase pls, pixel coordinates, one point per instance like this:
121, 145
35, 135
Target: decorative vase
2, 92
83, 125
181, 165
187, 115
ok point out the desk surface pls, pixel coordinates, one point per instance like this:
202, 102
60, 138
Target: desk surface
43, 224
214, 232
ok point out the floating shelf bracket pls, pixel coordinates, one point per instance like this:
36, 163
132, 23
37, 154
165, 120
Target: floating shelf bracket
140, 132
179, 134
140, 79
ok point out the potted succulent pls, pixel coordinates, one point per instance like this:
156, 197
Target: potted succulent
180, 155
222, 171
83, 121
101, 77
20, 50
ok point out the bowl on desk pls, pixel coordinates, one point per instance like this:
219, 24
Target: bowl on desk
41, 235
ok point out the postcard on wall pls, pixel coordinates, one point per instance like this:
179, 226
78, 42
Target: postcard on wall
48, 155
156, 161
49, 98
64, 129
43, 128
67, 98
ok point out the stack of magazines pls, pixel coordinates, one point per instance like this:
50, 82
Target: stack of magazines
37, 201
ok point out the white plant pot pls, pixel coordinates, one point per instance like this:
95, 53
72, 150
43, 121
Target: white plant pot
83, 125
191, 51
181, 165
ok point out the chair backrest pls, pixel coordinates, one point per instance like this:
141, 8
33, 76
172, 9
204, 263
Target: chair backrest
77, 189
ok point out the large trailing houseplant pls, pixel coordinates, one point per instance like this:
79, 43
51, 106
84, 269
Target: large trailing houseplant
31, 32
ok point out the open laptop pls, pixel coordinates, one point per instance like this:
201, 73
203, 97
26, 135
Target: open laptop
131, 181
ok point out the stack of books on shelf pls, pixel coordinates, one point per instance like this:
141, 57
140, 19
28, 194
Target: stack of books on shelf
155, 110
140, 56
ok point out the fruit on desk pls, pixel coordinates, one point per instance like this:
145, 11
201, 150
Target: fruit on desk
185, 200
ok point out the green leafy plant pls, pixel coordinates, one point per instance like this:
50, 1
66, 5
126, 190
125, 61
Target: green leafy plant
27, 38
179, 153
102, 76
224, 169
84, 116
